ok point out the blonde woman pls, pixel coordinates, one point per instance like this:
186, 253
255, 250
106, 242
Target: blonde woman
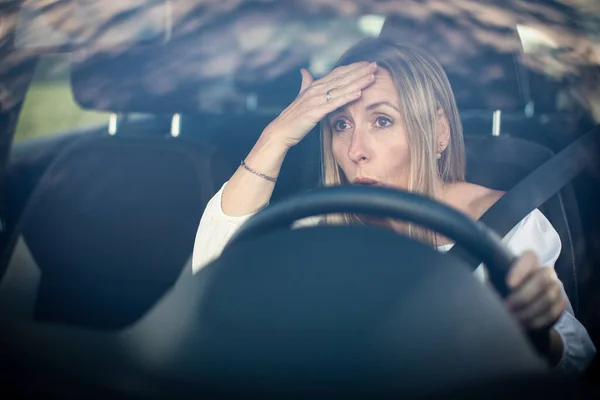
388, 117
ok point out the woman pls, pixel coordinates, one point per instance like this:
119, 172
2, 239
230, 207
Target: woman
388, 117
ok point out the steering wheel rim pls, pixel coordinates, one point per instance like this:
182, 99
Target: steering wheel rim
473, 236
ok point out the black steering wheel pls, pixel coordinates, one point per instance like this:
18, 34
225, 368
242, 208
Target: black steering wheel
473, 236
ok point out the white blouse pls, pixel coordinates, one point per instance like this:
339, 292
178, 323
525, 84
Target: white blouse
534, 233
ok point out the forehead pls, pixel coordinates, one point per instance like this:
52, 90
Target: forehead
383, 88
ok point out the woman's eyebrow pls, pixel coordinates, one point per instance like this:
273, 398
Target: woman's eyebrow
382, 103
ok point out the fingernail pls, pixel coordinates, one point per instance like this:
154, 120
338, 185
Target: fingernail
374, 65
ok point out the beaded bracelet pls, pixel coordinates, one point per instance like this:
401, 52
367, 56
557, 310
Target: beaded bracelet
269, 178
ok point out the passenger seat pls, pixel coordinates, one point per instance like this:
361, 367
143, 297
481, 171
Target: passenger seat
108, 230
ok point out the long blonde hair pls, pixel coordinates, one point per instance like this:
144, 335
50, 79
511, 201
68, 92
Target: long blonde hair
424, 90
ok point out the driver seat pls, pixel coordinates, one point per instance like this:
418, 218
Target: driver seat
500, 162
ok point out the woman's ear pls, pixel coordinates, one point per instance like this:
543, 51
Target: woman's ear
442, 130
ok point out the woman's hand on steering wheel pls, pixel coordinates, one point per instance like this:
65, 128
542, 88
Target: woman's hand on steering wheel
536, 300
536, 297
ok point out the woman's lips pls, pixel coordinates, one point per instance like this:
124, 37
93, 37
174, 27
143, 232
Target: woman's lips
364, 181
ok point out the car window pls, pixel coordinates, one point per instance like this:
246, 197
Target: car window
49, 107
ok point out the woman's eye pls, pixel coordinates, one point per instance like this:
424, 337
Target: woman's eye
383, 122
340, 125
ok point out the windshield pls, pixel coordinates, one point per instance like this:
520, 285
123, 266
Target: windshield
127, 119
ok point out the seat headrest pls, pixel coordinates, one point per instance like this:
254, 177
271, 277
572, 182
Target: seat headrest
502, 162
113, 218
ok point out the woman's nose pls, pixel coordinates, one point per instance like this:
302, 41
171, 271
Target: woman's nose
358, 152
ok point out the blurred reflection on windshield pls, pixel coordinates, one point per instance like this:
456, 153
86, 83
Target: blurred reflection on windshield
227, 55
66, 24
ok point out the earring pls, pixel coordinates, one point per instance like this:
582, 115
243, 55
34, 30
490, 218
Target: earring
440, 150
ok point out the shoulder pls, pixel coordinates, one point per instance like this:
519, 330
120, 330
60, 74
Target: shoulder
533, 229
473, 200
535, 233
483, 199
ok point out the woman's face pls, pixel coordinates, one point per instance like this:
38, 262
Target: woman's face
369, 138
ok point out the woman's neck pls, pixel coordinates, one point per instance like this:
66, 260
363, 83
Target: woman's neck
441, 195
440, 190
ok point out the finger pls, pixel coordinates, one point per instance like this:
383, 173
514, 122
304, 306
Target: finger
339, 101
549, 318
350, 76
342, 70
536, 286
540, 306
359, 84
307, 79
320, 87
525, 266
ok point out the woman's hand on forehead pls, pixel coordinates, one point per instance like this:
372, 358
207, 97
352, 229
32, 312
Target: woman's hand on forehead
318, 98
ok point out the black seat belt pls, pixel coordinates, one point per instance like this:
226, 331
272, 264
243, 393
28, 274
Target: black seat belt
531, 192
535, 189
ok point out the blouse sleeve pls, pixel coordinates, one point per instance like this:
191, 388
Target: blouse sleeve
214, 231
535, 233
216, 228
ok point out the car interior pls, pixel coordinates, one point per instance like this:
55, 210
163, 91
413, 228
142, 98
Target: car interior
99, 223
